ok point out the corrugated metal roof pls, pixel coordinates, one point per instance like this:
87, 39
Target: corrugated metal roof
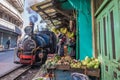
51, 11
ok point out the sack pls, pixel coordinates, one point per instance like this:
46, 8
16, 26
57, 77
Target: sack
79, 76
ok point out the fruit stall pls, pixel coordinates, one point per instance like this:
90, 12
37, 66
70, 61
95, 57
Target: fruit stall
61, 68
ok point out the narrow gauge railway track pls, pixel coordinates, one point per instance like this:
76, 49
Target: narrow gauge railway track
30, 74
16, 73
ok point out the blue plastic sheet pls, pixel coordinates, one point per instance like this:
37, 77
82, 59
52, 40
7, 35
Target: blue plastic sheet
62, 75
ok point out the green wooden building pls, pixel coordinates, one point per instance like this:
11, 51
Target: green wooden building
98, 33
107, 29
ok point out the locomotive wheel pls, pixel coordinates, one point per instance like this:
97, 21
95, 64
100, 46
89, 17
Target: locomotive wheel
41, 57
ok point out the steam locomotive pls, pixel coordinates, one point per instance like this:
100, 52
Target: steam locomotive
36, 46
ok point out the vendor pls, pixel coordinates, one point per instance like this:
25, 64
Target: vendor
60, 45
72, 45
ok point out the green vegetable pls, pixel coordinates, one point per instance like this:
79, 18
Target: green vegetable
40, 79
57, 57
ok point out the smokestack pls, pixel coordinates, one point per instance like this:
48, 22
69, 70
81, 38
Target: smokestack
33, 18
32, 25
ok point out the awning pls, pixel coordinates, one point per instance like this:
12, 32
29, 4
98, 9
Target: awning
52, 12
6, 28
16, 31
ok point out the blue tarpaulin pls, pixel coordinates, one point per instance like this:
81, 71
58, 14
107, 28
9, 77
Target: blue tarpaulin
62, 75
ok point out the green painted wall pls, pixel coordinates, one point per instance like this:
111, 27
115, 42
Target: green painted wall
84, 28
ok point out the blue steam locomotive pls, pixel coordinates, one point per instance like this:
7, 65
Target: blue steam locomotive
36, 46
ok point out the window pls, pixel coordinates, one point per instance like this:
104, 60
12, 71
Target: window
99, 38
9, 19
112, 33
5, 17
13, 20
105, 43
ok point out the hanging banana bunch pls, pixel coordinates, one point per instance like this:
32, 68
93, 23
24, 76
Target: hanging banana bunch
56, 31
63, 30
70, 34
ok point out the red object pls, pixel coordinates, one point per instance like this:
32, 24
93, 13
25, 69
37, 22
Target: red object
50, 55
27, 59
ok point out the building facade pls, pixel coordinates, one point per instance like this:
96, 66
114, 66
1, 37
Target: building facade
11, 21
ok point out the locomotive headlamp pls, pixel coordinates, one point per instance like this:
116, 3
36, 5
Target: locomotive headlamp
28, 30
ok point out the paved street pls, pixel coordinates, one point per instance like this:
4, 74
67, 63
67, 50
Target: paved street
7, 62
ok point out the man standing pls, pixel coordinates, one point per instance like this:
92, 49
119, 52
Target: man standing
8, 43
60, 45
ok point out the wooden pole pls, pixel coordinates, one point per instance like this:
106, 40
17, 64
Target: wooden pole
94, 38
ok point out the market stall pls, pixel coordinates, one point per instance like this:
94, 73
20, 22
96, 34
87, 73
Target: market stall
61, 68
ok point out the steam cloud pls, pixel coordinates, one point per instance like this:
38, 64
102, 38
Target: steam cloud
33, 17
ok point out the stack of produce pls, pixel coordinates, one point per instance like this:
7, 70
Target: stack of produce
64, 60
91, 62
64, 63
86, 63
75, 64
51, 63
57, 58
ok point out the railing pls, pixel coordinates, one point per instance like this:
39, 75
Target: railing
11, 8
7, 24
18, 4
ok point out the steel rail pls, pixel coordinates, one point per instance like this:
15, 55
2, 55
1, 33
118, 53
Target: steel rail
15, 74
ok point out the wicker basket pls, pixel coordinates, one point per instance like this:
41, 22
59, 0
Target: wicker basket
63, 67
93, 72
